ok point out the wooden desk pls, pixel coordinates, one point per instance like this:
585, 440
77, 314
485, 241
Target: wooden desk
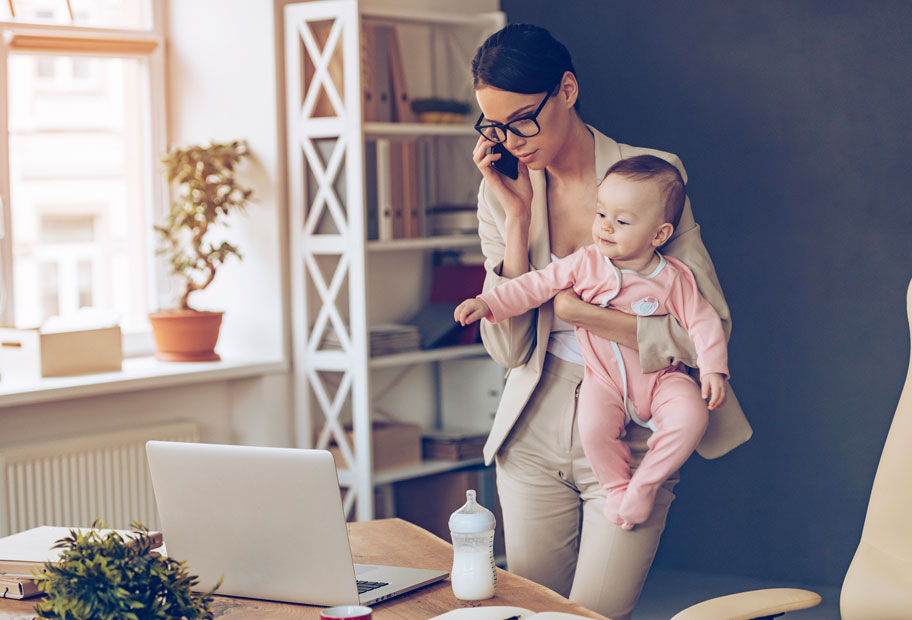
385, 541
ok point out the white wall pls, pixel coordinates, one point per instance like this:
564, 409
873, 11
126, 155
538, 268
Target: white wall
222, 86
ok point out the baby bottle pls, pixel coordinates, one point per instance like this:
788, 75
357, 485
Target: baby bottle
472, 529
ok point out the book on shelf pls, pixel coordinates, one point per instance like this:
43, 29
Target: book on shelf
453, 219
22, 553
385, 339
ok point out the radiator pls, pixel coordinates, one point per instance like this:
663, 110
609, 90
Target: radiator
71, 482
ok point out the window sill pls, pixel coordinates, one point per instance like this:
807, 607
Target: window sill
142, 373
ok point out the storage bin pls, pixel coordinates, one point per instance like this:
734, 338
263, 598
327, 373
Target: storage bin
31, 354
394, 444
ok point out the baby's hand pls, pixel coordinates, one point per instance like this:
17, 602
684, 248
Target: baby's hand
471, 310
714, 389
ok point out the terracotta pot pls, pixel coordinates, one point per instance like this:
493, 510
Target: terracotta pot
186, 335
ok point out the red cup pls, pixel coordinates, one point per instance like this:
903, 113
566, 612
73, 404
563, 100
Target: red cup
346, 612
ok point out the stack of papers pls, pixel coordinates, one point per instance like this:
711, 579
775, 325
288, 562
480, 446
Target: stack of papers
385, 339
26, 551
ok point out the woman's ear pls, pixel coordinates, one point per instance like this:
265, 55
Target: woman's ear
662, 235
569, 89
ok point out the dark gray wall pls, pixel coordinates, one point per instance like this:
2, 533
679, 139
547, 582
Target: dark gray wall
792, 119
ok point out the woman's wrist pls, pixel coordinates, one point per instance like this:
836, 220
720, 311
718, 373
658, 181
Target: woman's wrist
516, 256
604, 322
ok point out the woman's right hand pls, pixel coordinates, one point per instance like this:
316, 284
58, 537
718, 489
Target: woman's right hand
515, 196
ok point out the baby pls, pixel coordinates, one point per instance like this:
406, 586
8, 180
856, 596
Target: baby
639, 203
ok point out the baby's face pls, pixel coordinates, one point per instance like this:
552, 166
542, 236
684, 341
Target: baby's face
628, 216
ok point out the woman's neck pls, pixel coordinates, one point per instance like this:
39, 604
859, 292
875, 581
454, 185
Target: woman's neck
576, 159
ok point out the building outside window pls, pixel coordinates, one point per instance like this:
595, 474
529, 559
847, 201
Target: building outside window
81, 127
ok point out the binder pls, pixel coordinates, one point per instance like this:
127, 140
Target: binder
382, 81
384, 191
397, 188
401, 103
370, 190
411, 208
18, 587
368, 44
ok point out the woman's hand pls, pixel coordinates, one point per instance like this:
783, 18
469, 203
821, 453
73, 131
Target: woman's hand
564, 304
713, 388
607, 323
514, 196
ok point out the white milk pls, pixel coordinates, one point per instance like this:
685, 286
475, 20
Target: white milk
473, 575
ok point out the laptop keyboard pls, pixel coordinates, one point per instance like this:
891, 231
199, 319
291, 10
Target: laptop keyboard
367, 586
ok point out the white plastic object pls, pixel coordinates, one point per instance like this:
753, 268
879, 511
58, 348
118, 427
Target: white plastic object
474, 576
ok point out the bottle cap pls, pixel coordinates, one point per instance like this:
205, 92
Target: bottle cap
472, 518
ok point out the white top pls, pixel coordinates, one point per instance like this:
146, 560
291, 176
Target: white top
562, 342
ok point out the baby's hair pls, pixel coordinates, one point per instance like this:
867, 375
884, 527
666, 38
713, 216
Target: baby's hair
649, 168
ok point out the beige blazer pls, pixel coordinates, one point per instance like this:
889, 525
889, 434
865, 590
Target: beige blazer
520, 343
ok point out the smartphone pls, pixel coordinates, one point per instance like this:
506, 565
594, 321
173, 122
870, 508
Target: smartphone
507, 165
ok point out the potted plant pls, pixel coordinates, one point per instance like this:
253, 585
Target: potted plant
207, 192
101, 575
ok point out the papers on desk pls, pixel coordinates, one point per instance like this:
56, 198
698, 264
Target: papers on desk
18, 586
21, 553
503, 612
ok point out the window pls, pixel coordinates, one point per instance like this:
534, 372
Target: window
81, 127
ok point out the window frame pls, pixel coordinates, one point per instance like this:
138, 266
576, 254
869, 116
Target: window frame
30, 37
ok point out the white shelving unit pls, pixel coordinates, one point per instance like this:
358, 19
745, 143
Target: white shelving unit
330, 253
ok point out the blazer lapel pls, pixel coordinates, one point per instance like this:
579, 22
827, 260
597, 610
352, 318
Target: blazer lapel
607, 153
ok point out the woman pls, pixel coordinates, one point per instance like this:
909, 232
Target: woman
555, 531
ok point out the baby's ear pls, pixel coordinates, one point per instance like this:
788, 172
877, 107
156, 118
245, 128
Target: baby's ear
663, 234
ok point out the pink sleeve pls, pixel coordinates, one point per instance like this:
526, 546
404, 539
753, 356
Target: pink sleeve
701, 321
532, 289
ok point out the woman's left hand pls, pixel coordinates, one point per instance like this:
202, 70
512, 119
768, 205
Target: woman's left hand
564, 303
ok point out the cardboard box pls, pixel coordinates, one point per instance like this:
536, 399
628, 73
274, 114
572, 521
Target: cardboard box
455, 444
30, 354
429, 501
394, 444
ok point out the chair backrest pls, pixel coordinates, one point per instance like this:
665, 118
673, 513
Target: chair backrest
878, 583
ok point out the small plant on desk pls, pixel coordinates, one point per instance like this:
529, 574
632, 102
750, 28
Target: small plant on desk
102, 576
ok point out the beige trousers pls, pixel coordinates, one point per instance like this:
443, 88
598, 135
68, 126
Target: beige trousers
556, 534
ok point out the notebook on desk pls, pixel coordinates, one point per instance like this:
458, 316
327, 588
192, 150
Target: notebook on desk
270, 520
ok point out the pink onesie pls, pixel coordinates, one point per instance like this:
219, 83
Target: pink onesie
615, 390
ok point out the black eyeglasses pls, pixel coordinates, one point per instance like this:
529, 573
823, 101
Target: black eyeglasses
524, 126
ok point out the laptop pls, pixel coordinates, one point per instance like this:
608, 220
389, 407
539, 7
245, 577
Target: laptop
270, 520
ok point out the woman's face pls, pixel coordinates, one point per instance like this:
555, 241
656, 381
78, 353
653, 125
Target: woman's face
503, 106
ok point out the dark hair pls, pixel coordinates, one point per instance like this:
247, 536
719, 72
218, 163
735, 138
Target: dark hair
521, 58
652, 168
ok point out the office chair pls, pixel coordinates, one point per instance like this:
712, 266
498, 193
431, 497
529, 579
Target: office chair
878, 584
